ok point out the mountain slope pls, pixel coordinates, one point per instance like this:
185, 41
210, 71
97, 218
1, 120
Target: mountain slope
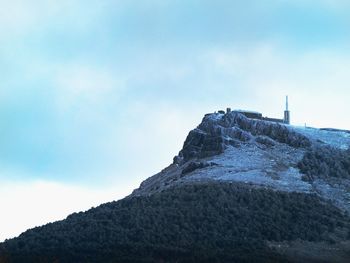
240, 190
232, 148
219, 221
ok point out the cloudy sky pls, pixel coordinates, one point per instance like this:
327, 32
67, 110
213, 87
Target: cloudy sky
97, 95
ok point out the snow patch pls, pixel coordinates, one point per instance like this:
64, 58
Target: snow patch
250, 164
336, 139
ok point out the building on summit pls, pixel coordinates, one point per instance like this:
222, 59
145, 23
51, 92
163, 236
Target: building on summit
259, 116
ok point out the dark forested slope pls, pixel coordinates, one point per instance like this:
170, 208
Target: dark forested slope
211, 222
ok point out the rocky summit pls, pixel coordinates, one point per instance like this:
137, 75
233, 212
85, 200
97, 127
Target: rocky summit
229, 147
240, 190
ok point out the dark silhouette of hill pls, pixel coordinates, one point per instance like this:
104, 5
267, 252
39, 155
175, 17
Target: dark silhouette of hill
205, 222
240, 190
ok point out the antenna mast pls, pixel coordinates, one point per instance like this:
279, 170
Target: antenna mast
287, 113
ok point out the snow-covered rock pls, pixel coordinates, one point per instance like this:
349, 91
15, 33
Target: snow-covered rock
233, 148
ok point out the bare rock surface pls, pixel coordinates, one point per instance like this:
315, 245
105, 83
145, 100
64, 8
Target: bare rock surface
233, 148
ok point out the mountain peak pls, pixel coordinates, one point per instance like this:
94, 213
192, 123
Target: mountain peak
217, 131
243, 189
231, 147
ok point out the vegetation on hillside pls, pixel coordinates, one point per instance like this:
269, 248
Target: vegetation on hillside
212, 222
324, 162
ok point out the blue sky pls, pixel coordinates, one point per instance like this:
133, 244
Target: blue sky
96, 96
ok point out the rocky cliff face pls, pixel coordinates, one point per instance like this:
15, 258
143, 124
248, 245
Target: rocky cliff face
218, 131
233, 148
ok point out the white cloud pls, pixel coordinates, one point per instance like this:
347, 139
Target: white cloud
15, 15
21, 17
337, 4
81, 79
79, 84
26, 205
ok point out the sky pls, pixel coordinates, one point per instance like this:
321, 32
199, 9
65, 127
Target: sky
98, 95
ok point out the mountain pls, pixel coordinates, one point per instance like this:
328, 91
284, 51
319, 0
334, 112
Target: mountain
240, 190
233, 148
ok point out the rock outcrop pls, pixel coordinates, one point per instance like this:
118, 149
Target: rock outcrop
217, 131
233, 148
